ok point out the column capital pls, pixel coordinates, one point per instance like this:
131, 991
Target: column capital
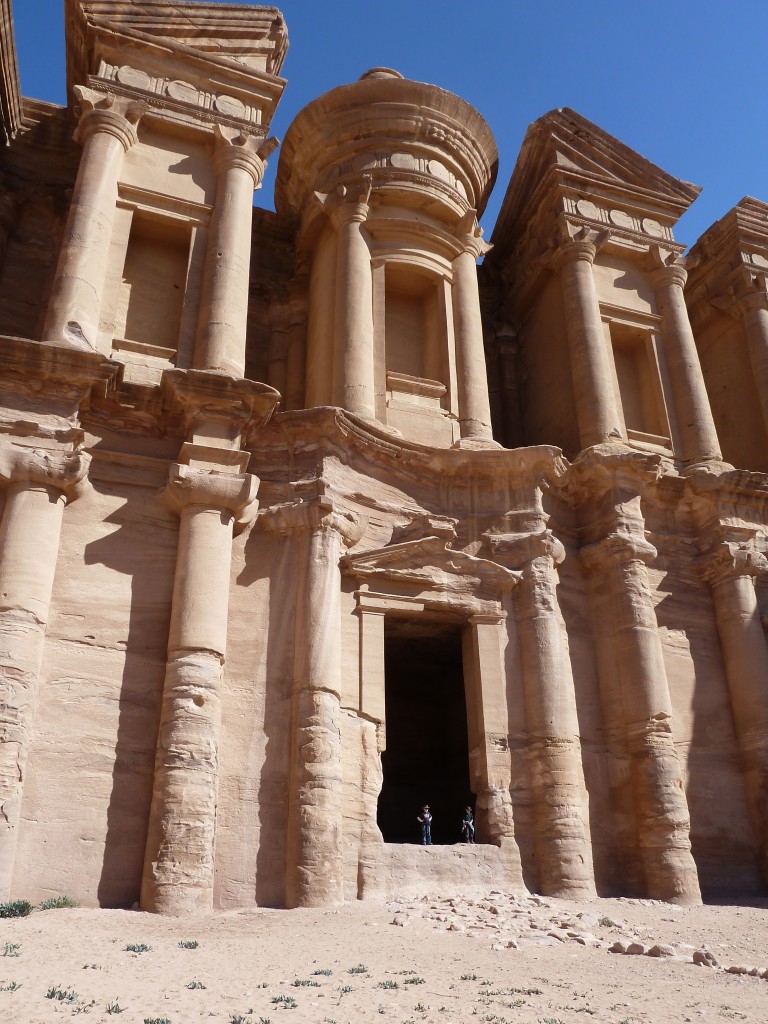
518, 551
104, 112
573, 251
753, 296
617, 549
317, 514
733, 559
244, 152
342, 208
469, 235
219, 492
673, 275
41, 467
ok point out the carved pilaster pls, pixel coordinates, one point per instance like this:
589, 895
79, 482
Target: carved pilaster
561, 842
625, 621
731, 567
39, 483
179, 859
314, 869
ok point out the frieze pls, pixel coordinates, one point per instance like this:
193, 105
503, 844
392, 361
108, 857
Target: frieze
181, 92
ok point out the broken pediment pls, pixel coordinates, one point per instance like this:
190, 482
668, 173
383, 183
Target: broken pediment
433, 565
208, 56
566, 157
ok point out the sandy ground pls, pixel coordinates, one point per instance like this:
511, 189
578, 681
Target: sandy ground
497, 959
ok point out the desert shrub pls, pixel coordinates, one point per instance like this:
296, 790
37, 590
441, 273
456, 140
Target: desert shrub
57, 902
16, 908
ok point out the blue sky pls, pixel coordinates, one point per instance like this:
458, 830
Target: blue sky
684, 82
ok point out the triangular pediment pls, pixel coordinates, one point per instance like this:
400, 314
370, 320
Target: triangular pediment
237, 49
432, 565
563, 150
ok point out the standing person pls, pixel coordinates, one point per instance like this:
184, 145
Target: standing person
425, 820
468, 825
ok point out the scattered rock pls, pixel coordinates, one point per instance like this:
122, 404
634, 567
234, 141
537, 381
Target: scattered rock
636, 949
737, 969
661, 949
619, 947
400, 920
704, 958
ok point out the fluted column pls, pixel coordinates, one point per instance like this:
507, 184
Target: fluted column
40, 483
590, 356
753, 310
563, 854
731, 570
624, 615
107, 130
353, 363
471, 371
240, 162
179, 860
697, 436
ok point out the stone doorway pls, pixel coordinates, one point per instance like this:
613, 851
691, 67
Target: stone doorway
426, 759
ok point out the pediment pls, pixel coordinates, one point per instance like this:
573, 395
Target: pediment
432, 565
564, 149
208, 47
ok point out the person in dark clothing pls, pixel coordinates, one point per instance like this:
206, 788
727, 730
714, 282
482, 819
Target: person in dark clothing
468, 826
425, 820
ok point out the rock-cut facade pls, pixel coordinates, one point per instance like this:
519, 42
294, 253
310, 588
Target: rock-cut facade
313, 517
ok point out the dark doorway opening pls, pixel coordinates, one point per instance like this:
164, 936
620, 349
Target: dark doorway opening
427, 757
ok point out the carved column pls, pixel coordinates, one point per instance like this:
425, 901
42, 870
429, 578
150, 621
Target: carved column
179, 860
107, 130
240, 162
753, 310
695, 426
353, 364
624, 615
731, 570
471, 372
591, 360
561, 843
488, 732
40, 483
315, 866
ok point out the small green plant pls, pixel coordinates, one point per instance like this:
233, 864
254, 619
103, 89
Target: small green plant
115, 1007
344, 990
138, 947
469, 977
238, 1018
16, 908
195, 984
388, 984
607, 922
12, 986
63, 995
11, 949
360, 969
420, 1008
57, 903
189, 944
92, 967
325, 971
299, 982
414, 981
287, 1002
156, 1020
